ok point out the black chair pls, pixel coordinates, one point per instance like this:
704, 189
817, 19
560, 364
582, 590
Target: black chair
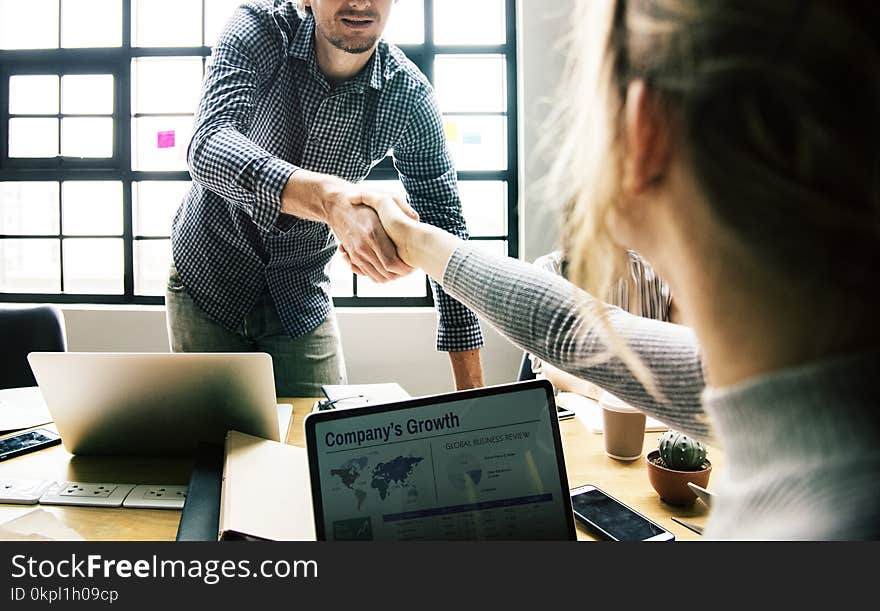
26, 330
525, 369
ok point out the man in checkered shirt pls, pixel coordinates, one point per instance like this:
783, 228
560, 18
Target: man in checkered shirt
300, 100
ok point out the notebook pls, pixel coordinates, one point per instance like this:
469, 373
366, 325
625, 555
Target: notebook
265, 491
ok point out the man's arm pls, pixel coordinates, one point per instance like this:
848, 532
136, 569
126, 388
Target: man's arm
426, 170
467, 368
224, 160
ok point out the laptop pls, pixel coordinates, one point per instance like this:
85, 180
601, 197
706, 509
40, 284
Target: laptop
477, 464
156, 404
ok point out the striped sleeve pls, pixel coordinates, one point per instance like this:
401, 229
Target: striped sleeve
546, 316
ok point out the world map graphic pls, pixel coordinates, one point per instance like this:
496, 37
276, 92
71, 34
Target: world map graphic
356, 475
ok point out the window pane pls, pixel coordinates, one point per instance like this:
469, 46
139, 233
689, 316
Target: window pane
407, 24
166, 23
470, 83
477, 143
28, 24
469, 22
495, 247
151, 261
87, 94
91, 208
159, 143
29, 208
408, 286
217, 14
91, 23
340, 277
87, 137
155, 203
30, 266
93, 266
33, 137
485, 207
166, 84
35, 94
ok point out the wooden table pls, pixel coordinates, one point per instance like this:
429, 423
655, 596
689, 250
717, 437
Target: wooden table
585, 461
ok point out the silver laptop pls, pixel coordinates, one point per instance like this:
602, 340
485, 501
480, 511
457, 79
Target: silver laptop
155, 404
475, 464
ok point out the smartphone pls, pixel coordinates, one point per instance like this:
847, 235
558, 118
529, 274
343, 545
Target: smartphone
607, 518
29, 441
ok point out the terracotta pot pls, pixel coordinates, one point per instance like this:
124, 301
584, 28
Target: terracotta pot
671, 485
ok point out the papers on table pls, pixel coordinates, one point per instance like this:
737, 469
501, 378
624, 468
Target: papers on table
590, 414
22, 408
344, 396
37, 525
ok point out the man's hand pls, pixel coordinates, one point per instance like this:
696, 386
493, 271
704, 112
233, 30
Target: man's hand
418, 244
364, 242
401, 226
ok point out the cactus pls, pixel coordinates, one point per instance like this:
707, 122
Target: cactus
680, 452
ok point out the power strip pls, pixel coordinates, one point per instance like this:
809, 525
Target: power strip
86, 495
148, 496
156, 497
22, 491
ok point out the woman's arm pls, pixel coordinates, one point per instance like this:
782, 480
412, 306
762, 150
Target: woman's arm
547, 316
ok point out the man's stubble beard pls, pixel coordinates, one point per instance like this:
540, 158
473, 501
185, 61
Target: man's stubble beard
342, 45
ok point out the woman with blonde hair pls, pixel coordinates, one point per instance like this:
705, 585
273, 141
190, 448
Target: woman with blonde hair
734, 144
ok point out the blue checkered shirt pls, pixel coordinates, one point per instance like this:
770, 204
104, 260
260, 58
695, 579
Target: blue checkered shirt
267, 110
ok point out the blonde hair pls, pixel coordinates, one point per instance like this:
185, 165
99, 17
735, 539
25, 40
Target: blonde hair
775, 103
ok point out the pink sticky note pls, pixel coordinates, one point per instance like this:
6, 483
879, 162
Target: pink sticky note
166, 140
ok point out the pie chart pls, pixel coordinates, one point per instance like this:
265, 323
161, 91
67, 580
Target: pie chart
464, 471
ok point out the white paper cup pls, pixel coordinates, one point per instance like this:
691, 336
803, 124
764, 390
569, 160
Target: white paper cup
624, 428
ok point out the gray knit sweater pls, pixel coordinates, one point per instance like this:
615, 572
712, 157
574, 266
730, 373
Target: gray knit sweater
802, 446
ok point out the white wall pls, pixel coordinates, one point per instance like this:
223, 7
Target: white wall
397, 344
380, 345
541, 26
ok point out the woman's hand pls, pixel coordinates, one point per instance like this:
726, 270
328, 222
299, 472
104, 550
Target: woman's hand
400, 220
358, 198
336, 202
418, 244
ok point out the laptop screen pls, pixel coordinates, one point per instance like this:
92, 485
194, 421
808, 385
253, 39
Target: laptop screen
481, 464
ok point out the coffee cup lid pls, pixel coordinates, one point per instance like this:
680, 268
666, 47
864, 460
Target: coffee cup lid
613, 404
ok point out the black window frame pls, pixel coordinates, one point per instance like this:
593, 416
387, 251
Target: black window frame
118, 62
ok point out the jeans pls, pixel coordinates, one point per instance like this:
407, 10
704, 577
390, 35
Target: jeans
301, 364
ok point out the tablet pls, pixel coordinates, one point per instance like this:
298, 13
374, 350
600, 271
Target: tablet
472, 465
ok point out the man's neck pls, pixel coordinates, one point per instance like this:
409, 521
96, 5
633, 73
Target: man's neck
336, 64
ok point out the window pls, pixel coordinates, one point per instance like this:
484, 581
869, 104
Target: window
97, 100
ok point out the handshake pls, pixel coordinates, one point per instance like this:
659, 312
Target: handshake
379, 233
375, 233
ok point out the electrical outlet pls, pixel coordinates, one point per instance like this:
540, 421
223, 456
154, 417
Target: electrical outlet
80, 493
22, 491
97, 491
156, 497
